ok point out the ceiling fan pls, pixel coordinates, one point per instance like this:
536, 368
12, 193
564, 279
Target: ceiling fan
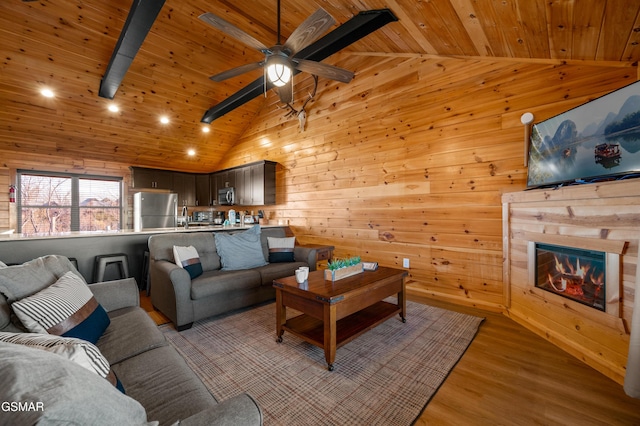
280, 60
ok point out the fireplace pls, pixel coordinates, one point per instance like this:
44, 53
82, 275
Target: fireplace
575, 273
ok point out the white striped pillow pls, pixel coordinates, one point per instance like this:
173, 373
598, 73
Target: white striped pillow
79, 351
65, 308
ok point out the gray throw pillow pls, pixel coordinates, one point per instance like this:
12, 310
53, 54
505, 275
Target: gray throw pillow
44, 388
240, 251
19, 281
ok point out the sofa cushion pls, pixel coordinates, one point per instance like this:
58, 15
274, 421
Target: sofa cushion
281, 249
164, 384
66, 308
79, 351
219, 282
241, 250
131, 332
2, 264
188, 259
60, 392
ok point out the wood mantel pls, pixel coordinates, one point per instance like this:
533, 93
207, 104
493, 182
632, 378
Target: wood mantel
600, 216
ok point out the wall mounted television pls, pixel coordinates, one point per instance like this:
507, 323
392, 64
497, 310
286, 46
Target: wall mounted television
598, 139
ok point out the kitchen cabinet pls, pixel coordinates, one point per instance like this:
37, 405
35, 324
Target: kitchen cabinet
256, 184
243, 186
184, 184
263, 183
203, 191
151, 178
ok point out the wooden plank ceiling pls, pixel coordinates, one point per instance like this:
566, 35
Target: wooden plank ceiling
66, 46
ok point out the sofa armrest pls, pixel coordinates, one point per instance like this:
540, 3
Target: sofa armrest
171, 291
116, 294
239, 410
305, 254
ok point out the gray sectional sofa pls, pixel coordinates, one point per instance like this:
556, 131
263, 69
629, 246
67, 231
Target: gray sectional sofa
47, 388
185, 300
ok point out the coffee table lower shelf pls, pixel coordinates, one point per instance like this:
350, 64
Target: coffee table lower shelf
312, 330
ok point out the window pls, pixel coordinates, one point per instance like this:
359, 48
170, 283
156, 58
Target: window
54, 203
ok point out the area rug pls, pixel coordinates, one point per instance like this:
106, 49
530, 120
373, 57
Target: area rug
384, 377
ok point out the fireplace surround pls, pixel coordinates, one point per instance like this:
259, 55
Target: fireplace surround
602, 217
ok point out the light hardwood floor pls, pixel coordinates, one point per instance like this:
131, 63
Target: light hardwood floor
510, 376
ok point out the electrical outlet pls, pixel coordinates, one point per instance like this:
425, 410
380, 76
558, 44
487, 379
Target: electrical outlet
405, 262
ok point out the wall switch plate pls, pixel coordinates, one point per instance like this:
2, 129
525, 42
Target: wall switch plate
405, 262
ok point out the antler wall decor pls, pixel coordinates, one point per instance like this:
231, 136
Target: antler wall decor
302, 113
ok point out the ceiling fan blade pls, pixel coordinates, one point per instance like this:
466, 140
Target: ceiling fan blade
233, 31
309, 31
324, 70
236, 71
286, 92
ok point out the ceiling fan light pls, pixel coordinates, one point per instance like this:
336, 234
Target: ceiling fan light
279, 74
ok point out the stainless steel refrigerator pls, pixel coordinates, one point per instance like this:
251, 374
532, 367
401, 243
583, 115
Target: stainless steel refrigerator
154, 210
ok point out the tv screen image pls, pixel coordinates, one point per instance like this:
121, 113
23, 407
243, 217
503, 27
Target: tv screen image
598, 139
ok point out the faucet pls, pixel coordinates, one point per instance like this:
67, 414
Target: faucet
185, 215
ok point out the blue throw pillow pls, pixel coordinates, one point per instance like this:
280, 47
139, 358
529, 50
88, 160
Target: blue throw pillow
188, 258
65, 308
240, 251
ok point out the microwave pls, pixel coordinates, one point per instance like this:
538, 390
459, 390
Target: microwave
226, 196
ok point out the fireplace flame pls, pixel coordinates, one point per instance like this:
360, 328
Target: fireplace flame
597, 279
563, 284
559, 265
577, 277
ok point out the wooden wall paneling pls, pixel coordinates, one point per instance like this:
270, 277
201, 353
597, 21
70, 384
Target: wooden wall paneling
346, 177
5, 181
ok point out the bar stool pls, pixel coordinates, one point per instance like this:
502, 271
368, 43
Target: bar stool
105, 259
145, 282
74, 262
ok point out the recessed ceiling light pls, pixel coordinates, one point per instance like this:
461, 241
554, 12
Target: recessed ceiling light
205, 129
164, 120
47, 93
191, 152
114, 108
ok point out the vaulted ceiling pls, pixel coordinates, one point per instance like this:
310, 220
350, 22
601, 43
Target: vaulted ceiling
66, 46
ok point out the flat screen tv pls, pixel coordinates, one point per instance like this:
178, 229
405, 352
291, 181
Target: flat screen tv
595, 140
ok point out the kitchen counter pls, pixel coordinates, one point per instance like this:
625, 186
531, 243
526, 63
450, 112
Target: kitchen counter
85, 246
193, 227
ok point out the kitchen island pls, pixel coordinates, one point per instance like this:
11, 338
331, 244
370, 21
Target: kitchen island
85, 246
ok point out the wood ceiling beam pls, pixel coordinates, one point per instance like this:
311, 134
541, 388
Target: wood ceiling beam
142, 15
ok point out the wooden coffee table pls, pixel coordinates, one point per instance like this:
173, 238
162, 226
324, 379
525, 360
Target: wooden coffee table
335, 313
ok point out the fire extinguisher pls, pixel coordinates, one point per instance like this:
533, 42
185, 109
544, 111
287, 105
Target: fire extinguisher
12, 193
